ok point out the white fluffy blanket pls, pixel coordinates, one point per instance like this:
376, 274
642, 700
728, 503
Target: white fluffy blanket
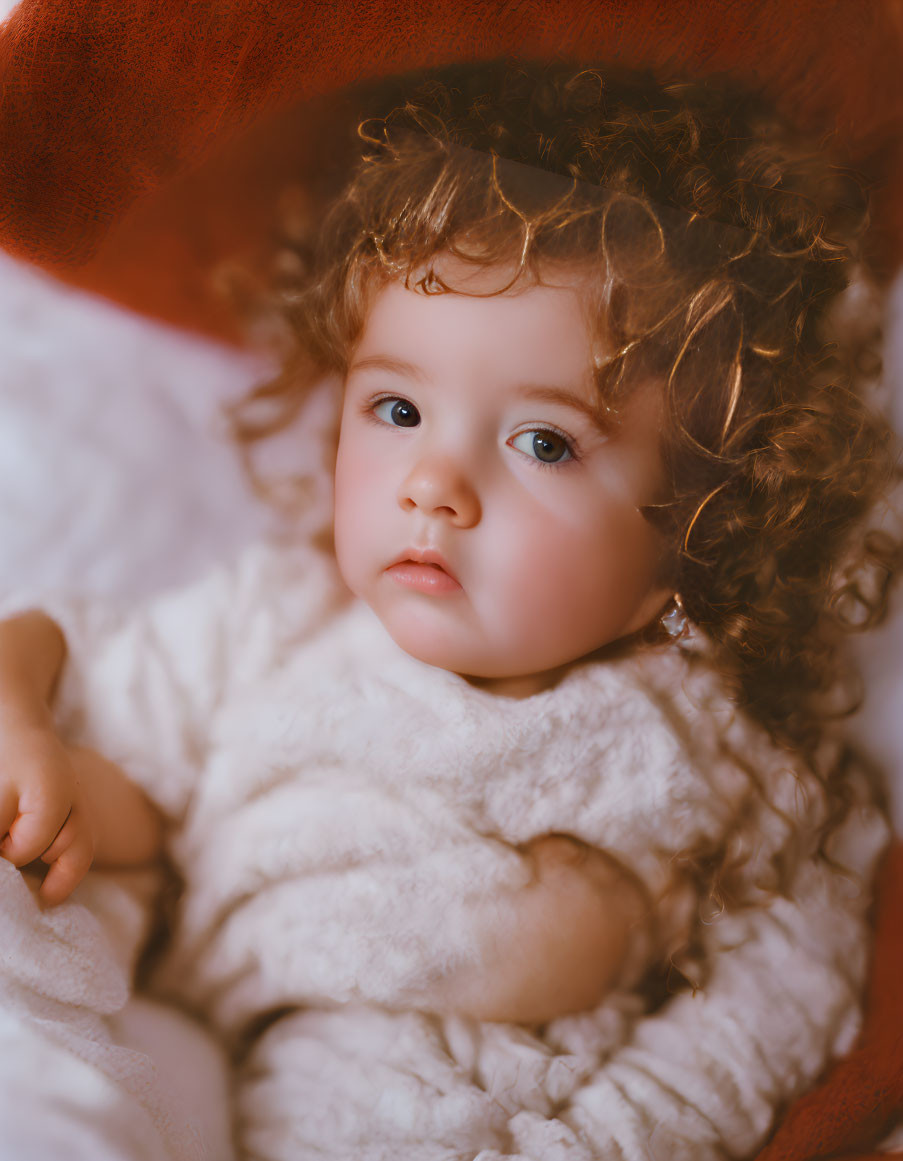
71, 1084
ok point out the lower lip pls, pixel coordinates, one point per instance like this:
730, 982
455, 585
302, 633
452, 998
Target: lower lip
425, 578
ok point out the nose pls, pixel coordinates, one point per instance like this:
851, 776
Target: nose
437, 487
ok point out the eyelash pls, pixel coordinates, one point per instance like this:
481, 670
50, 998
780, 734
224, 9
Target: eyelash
369, 406
368, 410
574, 456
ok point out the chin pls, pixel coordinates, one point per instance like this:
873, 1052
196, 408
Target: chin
433, 653
428, 644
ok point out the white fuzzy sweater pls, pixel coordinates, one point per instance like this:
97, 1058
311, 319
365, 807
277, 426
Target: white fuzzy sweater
340, 806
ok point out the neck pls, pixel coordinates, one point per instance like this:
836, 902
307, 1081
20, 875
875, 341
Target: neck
518, 687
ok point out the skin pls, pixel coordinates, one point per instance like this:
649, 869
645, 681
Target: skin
553, 559
65, 805
499, 460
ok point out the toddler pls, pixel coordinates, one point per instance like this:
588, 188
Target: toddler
516, 827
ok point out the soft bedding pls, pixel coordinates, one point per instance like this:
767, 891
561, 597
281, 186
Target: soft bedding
85, 1071
114, 480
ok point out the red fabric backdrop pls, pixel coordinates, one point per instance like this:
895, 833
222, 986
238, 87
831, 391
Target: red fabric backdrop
127, 166
109, 107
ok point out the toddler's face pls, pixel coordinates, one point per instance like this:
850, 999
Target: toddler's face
480, 510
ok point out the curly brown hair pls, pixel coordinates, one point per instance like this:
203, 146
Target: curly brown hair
720, 242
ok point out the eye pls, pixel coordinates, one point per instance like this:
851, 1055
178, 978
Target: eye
544, 445
397, 412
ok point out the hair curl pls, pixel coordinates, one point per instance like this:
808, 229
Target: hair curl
718, 243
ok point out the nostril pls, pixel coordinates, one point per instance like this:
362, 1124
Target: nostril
439, 488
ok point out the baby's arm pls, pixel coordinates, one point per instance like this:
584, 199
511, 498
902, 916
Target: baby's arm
704, 1077
68, 807
557, 945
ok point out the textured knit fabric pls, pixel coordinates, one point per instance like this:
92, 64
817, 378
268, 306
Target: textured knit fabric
861, 1101
340, 810
70, 1084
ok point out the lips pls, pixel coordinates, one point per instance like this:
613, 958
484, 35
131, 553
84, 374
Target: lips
425, 571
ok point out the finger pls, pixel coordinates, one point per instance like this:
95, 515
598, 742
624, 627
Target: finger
67, 834
68, 870
9, 808
32, 832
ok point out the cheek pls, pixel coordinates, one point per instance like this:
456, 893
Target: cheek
580, 570
367, 479
535, 549
352, 517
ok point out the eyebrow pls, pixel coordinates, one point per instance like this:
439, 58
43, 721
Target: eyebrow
596, 414
387, 363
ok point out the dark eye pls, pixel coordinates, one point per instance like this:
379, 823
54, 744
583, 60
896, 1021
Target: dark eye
546, 446
398, 412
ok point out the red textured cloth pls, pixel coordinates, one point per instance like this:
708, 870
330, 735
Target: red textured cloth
105, 103
141, 141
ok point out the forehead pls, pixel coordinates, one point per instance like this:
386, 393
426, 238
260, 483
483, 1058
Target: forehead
486, 318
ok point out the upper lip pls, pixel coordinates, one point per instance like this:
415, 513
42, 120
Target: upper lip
424, 556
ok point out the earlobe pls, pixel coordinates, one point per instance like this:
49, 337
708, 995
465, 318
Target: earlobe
657, 604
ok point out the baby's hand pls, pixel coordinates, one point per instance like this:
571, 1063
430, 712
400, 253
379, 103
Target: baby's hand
559, 944
41, 812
